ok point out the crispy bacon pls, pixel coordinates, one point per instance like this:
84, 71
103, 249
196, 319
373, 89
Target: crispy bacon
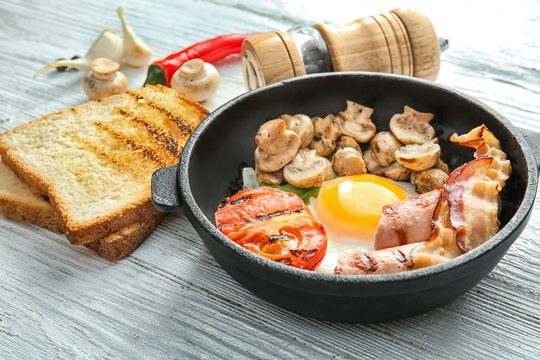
464, 217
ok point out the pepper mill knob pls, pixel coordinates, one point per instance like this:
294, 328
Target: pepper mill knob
400, 42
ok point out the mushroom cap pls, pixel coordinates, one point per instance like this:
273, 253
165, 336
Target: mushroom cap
347, 141
325, 132
306, 169
430, 179
192, 69
372, 164
412, 127
356, 122
196, 80
302, 125
419, 157
384, 146
398, 172
348, 161
103, 68
274, 178
276, 146
330, 174
109, 84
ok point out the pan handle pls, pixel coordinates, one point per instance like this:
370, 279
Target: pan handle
165, 194
533, 138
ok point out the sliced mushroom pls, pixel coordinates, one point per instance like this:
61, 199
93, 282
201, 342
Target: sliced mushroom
330, 174
306, 169
276, 146
274, 178
355, 122
348, 161
302, 125
345, 141
384, 146
325, 133
412, 127
372, 164
430, 179
419, 157
396, 171
441, 165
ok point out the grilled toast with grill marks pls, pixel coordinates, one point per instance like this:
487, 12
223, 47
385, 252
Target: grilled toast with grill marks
19, 201
95, 161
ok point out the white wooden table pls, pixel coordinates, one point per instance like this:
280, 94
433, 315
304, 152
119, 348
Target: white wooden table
170, 299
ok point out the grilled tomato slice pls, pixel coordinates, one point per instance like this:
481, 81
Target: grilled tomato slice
274, 224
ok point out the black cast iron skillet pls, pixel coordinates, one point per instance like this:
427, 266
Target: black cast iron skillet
211, 159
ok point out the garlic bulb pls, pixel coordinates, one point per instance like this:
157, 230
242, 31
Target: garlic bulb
136, 52
108, 44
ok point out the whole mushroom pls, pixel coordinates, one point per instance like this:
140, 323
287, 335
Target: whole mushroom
428, 180
276, 146
325, 133
356, 122
196, 80
302, 125
103, 79
347, 141
396, 171
274, 178
384, 146
306, 170
330, 173
372, 164
348, 161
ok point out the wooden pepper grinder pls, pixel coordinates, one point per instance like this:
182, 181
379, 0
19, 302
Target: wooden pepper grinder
400, 42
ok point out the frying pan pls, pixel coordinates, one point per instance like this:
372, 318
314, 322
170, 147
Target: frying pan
210, 164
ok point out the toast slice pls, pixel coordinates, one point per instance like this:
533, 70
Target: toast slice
94, 162
19, 201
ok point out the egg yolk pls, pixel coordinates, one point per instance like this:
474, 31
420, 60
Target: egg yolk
352, 205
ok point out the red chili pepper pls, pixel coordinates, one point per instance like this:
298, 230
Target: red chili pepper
211, 50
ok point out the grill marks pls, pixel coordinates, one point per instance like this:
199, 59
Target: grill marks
158, 135
279, 213
180, 122
136, 132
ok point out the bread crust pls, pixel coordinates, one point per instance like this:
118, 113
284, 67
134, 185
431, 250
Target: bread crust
21, 202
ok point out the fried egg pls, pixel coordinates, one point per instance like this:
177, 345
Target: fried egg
349, 208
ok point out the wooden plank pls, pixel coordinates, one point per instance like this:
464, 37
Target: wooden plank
170, 299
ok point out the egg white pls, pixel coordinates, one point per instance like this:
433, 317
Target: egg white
339, 245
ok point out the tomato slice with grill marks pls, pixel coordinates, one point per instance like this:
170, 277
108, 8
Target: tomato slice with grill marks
274, 224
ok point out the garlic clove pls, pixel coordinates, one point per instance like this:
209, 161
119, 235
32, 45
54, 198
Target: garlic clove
136, 52
108, 44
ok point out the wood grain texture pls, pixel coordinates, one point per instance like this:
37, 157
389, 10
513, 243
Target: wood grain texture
170, 299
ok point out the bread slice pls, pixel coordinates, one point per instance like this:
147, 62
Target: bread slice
19, 201
95, 161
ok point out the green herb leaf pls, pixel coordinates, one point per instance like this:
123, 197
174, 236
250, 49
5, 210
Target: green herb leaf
305, 194
155, 75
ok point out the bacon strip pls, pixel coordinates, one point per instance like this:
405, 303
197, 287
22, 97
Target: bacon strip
464, 218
